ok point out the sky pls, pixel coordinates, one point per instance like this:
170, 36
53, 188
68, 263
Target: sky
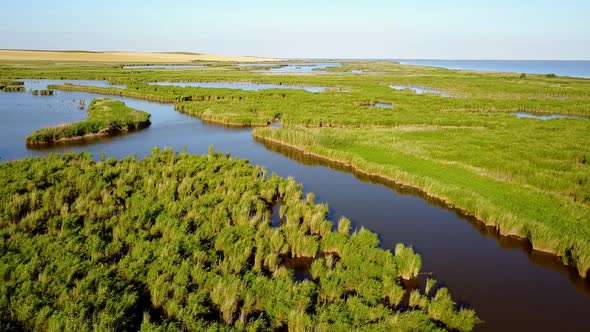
361, 29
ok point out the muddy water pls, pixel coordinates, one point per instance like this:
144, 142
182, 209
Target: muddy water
511, 287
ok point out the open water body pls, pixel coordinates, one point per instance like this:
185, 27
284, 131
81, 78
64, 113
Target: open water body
512, 288
560, 68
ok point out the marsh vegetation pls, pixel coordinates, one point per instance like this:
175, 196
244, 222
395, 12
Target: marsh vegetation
184, 242
527, 178
105, 117
45, 92
455, 126
12, 86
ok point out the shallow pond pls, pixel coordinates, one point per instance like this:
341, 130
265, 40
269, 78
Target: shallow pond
511, 287
164, 67
303, 67
242, 86
525, 115
42, 84
420, 90
261, 64
382, 105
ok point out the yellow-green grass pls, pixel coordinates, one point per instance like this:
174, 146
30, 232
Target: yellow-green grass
529, 183
181, 242
105, 117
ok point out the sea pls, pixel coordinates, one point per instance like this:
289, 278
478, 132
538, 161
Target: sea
573, 68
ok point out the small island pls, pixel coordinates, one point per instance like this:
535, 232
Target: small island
106, 117
12, 86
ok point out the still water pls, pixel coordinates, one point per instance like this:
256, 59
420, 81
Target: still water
525, 115
382, 105
560, 68
303, 67
511, 288
242, 86
295, 67
420, 90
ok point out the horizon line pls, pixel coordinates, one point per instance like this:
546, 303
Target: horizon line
293, 58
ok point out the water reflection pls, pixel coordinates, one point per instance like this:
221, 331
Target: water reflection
303, 68
420, 90
382, 105
544, 117
242, 86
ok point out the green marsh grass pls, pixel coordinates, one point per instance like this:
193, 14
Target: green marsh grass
105, 116
46, 92
528, 178
535, 186
184, 242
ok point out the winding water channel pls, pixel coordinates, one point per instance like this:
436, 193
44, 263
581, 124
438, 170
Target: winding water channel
510, 287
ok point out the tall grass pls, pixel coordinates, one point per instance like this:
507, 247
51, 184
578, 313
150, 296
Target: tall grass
106, 116
535, 188
185, 241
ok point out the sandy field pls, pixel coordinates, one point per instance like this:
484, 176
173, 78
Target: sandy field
135, 57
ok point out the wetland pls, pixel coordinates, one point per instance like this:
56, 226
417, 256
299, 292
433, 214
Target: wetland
370, 167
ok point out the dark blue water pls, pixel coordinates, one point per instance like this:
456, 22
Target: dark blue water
560, 68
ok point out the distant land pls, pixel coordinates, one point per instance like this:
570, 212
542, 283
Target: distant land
139, 57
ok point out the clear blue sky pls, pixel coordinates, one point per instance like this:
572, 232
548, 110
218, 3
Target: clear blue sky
454, 29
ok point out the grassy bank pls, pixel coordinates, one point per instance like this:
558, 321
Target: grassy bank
534, 187
184, 242
105, 117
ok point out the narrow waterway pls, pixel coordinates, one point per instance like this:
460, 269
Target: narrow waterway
510, 287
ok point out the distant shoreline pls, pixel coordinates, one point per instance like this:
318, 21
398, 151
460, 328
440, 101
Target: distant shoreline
125, 57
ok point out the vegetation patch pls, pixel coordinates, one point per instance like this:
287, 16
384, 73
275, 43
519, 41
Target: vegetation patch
46, 92
535, 188
105, 117
184, 242
12, 86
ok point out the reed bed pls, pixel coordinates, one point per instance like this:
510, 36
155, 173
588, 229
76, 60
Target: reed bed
105, 117
46, 92
184, 242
